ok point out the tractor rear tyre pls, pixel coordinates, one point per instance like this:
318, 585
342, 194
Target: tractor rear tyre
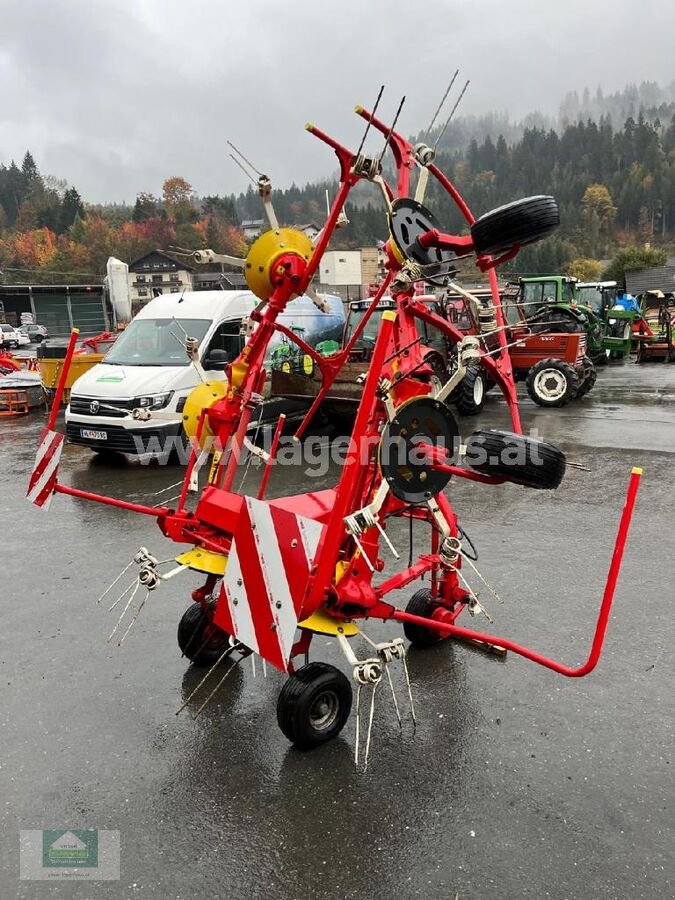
521, 222
560, 321
590, 377
469, 395
552, 382
517, 458
421, 604
314, 705
202, 642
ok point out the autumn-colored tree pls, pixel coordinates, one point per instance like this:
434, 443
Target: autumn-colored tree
585, 269
179, 200
599, 215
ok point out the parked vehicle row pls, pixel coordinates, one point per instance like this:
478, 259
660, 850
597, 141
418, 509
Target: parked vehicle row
12, 337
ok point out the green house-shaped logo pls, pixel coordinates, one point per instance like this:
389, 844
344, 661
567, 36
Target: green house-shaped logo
63, 848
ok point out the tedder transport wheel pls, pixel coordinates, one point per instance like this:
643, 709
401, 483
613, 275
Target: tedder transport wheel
314, 705
552, 382
469, 395
420, 604
590, 377
519, 459
199, 640
521, 222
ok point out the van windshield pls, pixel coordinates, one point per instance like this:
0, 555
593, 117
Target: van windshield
155, 342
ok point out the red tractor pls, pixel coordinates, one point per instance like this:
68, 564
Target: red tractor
554, 365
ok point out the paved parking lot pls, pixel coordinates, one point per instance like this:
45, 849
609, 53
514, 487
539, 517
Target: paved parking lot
515, 783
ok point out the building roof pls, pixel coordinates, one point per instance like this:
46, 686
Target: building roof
252, 223
159, 259
657, 278
227, 280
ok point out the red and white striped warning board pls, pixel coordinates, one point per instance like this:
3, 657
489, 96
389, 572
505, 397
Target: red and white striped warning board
43, 477
260, 602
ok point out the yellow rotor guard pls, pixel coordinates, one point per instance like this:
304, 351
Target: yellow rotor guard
266, 250
203, 561
201, 397
322, 623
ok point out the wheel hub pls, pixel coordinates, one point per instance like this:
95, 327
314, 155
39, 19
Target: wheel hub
324, 710
550, 384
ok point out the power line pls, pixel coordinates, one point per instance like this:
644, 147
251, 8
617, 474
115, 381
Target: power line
48, 271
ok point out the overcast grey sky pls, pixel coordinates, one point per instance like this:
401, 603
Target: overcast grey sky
116, 95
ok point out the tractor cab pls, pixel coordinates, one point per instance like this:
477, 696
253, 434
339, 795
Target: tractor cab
598, 296
365, 342
547, 289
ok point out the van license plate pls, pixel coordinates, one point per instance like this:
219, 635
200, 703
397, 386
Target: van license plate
93, 435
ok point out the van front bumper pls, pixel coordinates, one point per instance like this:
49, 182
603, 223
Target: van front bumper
155, 439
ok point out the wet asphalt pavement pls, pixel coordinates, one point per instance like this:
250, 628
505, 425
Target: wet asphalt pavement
516, 782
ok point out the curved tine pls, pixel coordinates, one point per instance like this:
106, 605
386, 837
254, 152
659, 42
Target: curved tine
440, 105
111, 586
365, 134
124, 611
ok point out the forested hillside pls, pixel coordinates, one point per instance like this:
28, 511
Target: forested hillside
613, 178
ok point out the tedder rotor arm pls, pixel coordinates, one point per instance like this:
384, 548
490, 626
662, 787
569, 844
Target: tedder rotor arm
449, 630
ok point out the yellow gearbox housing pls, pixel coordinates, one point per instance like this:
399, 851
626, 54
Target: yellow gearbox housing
201, 397
264, 253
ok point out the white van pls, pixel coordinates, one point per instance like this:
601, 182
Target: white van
147, 367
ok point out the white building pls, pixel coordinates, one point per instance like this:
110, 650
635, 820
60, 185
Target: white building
157, 273
350, 272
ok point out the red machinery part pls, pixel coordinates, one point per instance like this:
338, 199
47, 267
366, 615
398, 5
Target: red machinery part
226, 522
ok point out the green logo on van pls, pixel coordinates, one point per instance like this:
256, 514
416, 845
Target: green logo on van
110, 379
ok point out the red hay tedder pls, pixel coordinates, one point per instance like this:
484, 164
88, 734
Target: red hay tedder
279, 571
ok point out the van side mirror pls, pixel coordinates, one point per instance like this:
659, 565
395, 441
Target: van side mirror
216, 360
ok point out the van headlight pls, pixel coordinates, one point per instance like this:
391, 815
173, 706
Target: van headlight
154, 401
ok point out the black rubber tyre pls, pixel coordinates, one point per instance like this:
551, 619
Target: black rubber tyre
314, 705
521, 222
552, 382
420, 604
469, 395
590, 377
557, 320
199, 640
520, 459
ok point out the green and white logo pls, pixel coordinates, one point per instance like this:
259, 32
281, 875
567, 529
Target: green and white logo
70, 848
69, 854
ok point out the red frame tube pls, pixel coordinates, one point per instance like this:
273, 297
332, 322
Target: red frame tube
61, 386
273, 453
157, 512
603, 615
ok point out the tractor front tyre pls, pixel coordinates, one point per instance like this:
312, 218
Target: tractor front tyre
516, 458
469, 395
202, 642
521, 222
421, 604
590, 377
552, 382
314, 705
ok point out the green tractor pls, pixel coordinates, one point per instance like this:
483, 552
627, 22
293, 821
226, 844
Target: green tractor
562, 303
